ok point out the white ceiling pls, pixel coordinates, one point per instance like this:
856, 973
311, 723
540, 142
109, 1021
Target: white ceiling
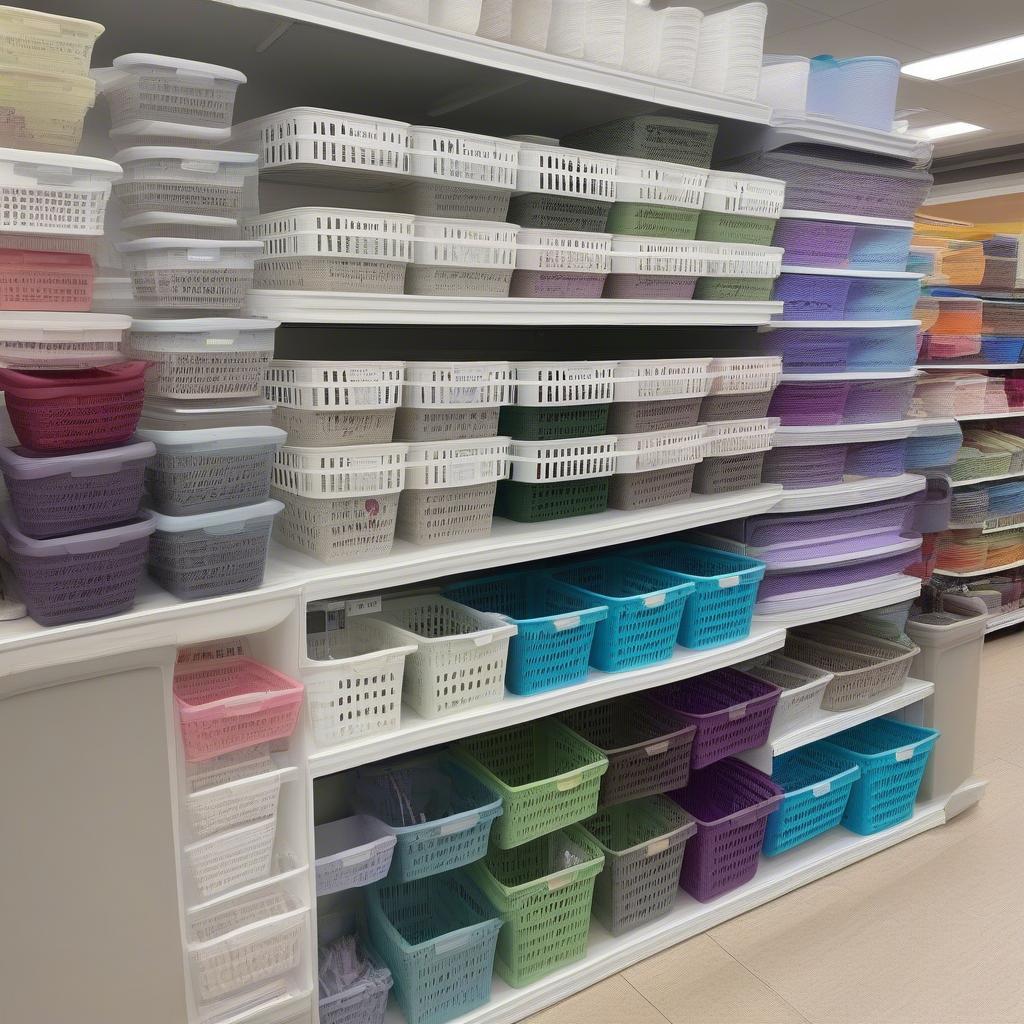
910, 30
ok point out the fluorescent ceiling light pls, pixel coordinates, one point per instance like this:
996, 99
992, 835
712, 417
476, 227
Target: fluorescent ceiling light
963, 62
935, 132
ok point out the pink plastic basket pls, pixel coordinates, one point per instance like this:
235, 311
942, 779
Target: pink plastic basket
231, 703
55, 411
46, 280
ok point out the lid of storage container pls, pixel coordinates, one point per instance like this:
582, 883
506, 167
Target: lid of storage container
62, 161
225, 517
22, 464
177, 414
221, 156
847, 218
840, 325
228, 436
46, 321
895, 275
202, 324
198, 220
78, 543
152, 244
130, 61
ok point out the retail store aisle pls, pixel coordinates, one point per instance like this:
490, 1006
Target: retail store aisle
927, 932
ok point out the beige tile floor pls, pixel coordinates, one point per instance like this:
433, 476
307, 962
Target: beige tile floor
927, 932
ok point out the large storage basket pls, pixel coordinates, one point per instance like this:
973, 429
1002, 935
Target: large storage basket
461, 653
449, 400
725, 588
643, 843
547, 776
892, 757
46, 42
462, 257
730, 802
364, 1001
656, 468
645, 606
230, 703
741, 208
817, 784
653, 394
233, 858
557, 264
60, 341
648, 750
651, 137
351, 852
556, 400
44, 111
440, 814
543, 891
803, 687
437, 936
32, 280
555, 629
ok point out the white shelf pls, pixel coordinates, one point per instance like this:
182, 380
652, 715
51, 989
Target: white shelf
788, 127
607, 955
987, 479
970, 366
336, 308
416, 733
862, 598
844, 433
1003, 620
969, 417
992, 529
971, 573
856, 492
853, 375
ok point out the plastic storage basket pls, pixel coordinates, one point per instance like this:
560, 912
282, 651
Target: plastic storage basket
741, 208
233, 858
46, 42
730, 802
556, 264
557, 400
364, 1001
745, 273
656, 468
878, 401
60, 341
462, 257
657, 268
44, 110
45, 280
449, 400
645, 606
734, 454
802, 689
555, 629
651, 137
657, 199
892, 757
654, 394
803, 466
179, 225
800, 403
440, 815
547, 776
741, 388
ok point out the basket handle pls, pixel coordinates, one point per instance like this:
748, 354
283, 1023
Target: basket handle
454, 827
656, 748
242, 702
905, 754
657, 846
654, 600
725, 582
566, 622
563, 785
357, 856
737, 711
451, 944
554, 884
821, 788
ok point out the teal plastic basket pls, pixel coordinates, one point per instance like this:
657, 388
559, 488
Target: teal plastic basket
556, 627
645, 607
817, 782
437, 937
725, 590
892, 757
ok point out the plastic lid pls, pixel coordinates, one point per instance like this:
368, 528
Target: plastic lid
149, 244
842, 325
142, 220
45, 321
223, 156
255, 434
22, 464
846, 218
895, 275
78, 543
203, 324
225, 517
147, 60
63, 160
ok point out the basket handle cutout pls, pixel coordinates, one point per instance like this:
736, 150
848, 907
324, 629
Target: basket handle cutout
459, 826
571, 782
656, 748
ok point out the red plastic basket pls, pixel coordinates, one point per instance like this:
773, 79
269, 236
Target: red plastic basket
74, 410
46, 280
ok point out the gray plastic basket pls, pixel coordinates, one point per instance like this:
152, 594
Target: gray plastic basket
330, 274
564, 213
352, 852
743, 405
645, 417
651, 137
451, 199
643, 844
446, 424
363, 1002
457, 281
728, 473
446, 514
651, 489
333, 428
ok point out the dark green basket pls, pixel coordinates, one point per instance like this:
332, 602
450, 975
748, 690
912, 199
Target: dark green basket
716, 226
736, 289
651, 137
560, 213
538, 503
649, 220
549, 423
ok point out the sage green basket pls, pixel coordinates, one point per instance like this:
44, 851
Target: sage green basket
562, 499
716, 226
549, 423
651, 137
735, 289
547, 776
649, 220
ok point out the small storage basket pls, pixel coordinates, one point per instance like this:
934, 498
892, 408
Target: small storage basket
812, 296
446, 401
648, 750
657, 468
60, 341
734, 454
657, 268
802, 689
351, 852
817, 784
437, 936
878, 401
654, 394
546, 775
643, 843
45, 280
645, 606
657, 199
892, 757
462, 258
230, 703
745, 273
559, 400
440, 814
814, 242
233, 790
364, 1001
231, 859
651, 137
460, 658
803, 466
740, 388
557, 264
741, 208
543, 891
877, 458
725, 588
730, 802
555, 629
46, 42
44, 111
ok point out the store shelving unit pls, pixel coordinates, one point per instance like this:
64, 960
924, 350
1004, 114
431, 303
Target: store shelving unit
854, 492
1004, 620
987, 479
861, 598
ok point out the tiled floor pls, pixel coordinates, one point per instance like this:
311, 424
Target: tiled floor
927, 932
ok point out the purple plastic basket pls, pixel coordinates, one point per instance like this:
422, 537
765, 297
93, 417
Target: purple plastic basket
811, 296
555, 284
730, 802
85, 576
805, 466
809, 403
807, 350
60, 494
730, 710
649, 286
783, 583
814, 243
878, 401
932, 513
877, 458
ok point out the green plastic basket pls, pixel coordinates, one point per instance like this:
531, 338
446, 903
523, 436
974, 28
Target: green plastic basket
715, 226
737, 289
547, 775
561, 213
648, 220
540, 503
548, 423
543, 891
651, 137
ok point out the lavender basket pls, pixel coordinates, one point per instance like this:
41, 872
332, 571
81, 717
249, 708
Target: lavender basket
877, 458
812, 296
878, 401
809, 403
803, 466
814, 243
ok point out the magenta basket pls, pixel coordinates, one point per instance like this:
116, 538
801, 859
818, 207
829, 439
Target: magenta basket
56, 411
811, 296
805, 466
730, 801
730, 710
878, 401
84, 576
555, 284
814, 243
877, 458
60, 494
809, 403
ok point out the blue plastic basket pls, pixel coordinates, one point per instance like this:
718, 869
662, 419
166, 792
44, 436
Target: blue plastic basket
556, 627
878, 247
892, 757
1005, 499
934, 450
458, 807
437, 937
877, 458
882, 349
807, 349
722, 604
874, 298
996, 349
645, 606
817, 782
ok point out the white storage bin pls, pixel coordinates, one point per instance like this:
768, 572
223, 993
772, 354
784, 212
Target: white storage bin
449, 400
462, 257
590, 30
658, 394
662, 42
168, 97
587, 382
750, 195
175, 179
739, 437
660, 183
561, 264
803, 686
351, 852
43, 110
455, 15
215, 357
741, 374
233, 790
658, 268
784, 82
576, 458
460, 655
328, 146
340, 503
450, 488
331, 404
198, 273
656, 468
60, 341
332, 250
49, 194
730, 51
739, 260
46, 42
179, 225
233, 858
519, 22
